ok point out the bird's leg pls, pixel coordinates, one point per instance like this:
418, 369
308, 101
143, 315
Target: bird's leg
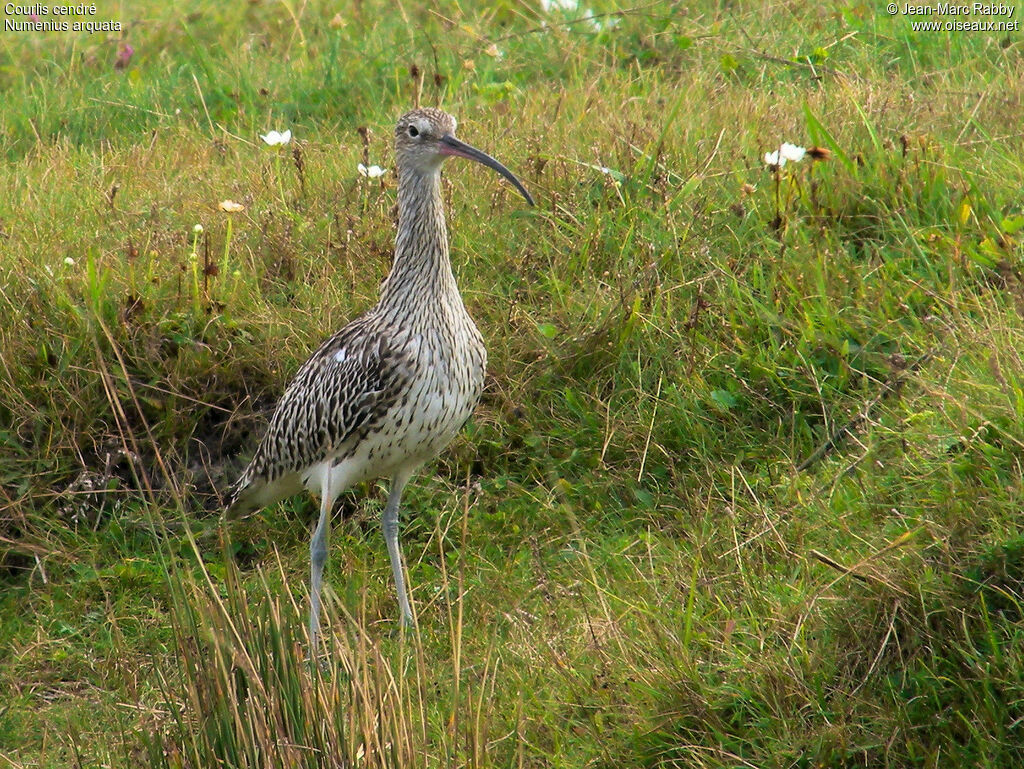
317, 559
389, 522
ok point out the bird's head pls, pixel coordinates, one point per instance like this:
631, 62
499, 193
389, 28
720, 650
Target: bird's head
425, 137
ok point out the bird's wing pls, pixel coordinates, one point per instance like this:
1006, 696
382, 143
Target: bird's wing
338, 396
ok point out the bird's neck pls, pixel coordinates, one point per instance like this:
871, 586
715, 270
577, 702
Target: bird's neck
422, 268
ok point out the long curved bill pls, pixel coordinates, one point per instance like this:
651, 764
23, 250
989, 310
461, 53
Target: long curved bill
452, 146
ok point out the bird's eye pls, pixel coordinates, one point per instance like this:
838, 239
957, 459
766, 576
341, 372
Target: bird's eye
413, 131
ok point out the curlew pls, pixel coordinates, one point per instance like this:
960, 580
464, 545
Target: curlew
390, 390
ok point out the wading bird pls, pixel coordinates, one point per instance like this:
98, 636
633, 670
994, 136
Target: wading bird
391, 389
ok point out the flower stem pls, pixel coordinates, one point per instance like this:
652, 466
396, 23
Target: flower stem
277, 175
778, 197
225, 259
194, 257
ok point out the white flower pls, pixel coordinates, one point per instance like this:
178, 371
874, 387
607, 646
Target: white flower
230, 206
273, 138
784, 153
198, 229
561, 5
372, 172
69, 261
792, 152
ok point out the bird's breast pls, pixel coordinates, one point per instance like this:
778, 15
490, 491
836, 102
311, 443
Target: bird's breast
447, 366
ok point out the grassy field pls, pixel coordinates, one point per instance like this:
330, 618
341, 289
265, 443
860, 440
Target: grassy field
744, 489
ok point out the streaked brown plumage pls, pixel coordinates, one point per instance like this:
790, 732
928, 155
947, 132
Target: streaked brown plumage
391, 389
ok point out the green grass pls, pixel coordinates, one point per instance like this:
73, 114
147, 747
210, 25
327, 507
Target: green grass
745, 485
